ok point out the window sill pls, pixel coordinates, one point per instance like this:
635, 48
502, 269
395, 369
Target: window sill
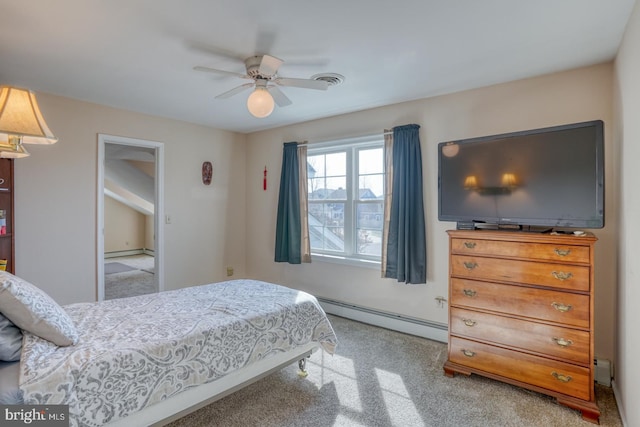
354, 262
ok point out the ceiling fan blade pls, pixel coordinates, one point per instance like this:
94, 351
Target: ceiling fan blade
221, 72
279, 97
303, 83
265, 39
216, 50
234, 91
269, 65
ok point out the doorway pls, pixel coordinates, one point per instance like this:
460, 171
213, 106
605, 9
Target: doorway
131, 184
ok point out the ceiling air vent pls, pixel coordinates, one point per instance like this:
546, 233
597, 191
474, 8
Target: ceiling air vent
332, 79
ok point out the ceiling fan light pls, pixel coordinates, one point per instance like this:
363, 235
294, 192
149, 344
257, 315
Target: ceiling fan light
260, 103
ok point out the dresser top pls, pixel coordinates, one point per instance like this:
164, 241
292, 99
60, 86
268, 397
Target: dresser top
524, 236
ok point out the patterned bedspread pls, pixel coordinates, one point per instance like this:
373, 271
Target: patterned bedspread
135, 352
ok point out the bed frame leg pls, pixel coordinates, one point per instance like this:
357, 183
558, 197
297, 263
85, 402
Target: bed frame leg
302, 365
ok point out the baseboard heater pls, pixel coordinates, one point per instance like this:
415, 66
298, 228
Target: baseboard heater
396, 322
129, 252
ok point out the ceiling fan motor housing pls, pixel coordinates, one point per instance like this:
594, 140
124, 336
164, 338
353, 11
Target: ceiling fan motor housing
252, 64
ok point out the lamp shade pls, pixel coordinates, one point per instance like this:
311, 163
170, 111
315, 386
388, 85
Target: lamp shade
470, 182
20, 116
260, 103
509, 180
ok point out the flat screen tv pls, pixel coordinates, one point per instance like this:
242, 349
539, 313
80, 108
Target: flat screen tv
551, 177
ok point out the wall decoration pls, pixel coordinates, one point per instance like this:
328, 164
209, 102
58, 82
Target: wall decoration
264, 181
207, 173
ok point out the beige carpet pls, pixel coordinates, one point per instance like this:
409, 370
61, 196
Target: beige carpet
136, 279
116, 267
380, 378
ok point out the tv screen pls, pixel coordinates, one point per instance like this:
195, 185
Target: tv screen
551, 177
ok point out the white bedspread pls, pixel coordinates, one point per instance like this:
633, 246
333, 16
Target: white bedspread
135, 352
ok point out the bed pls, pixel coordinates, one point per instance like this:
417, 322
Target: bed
153, 358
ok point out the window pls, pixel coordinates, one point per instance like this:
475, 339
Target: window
346, 199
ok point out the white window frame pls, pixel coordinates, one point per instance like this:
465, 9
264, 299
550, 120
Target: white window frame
351, 147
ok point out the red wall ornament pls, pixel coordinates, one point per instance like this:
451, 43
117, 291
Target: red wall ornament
264, 180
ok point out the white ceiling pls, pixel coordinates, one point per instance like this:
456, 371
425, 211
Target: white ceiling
139, 54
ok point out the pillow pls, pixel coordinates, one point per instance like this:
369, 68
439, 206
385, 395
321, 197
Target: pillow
10, 340
32, 310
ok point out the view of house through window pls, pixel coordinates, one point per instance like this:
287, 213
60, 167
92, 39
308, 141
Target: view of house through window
346, 195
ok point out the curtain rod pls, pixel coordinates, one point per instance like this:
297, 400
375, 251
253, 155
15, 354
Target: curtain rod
347, 138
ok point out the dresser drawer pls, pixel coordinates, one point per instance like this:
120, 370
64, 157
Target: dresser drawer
570, 277
541, 251
543, 304
552, 375
554, 341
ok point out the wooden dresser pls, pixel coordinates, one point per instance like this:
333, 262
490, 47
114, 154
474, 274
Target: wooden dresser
521, 311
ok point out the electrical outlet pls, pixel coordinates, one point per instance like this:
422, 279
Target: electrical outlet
229, 271
441, 301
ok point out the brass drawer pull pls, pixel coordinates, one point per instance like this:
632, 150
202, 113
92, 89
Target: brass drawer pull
470, 265
561, 307
561, 275
469, 322
561, 378
562, 252
468, 353
469, 293
562, 342
470, 245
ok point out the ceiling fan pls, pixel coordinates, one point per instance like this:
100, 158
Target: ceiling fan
263, 70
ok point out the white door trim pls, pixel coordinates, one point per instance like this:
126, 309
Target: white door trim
158, 210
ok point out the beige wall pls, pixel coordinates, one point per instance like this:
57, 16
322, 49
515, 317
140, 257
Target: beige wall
574, 96
149, 237
56, 199
124, 228
147, 167
148, 241
627, 108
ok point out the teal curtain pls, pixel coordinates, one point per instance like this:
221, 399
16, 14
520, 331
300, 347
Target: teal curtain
406, 240
288, 226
